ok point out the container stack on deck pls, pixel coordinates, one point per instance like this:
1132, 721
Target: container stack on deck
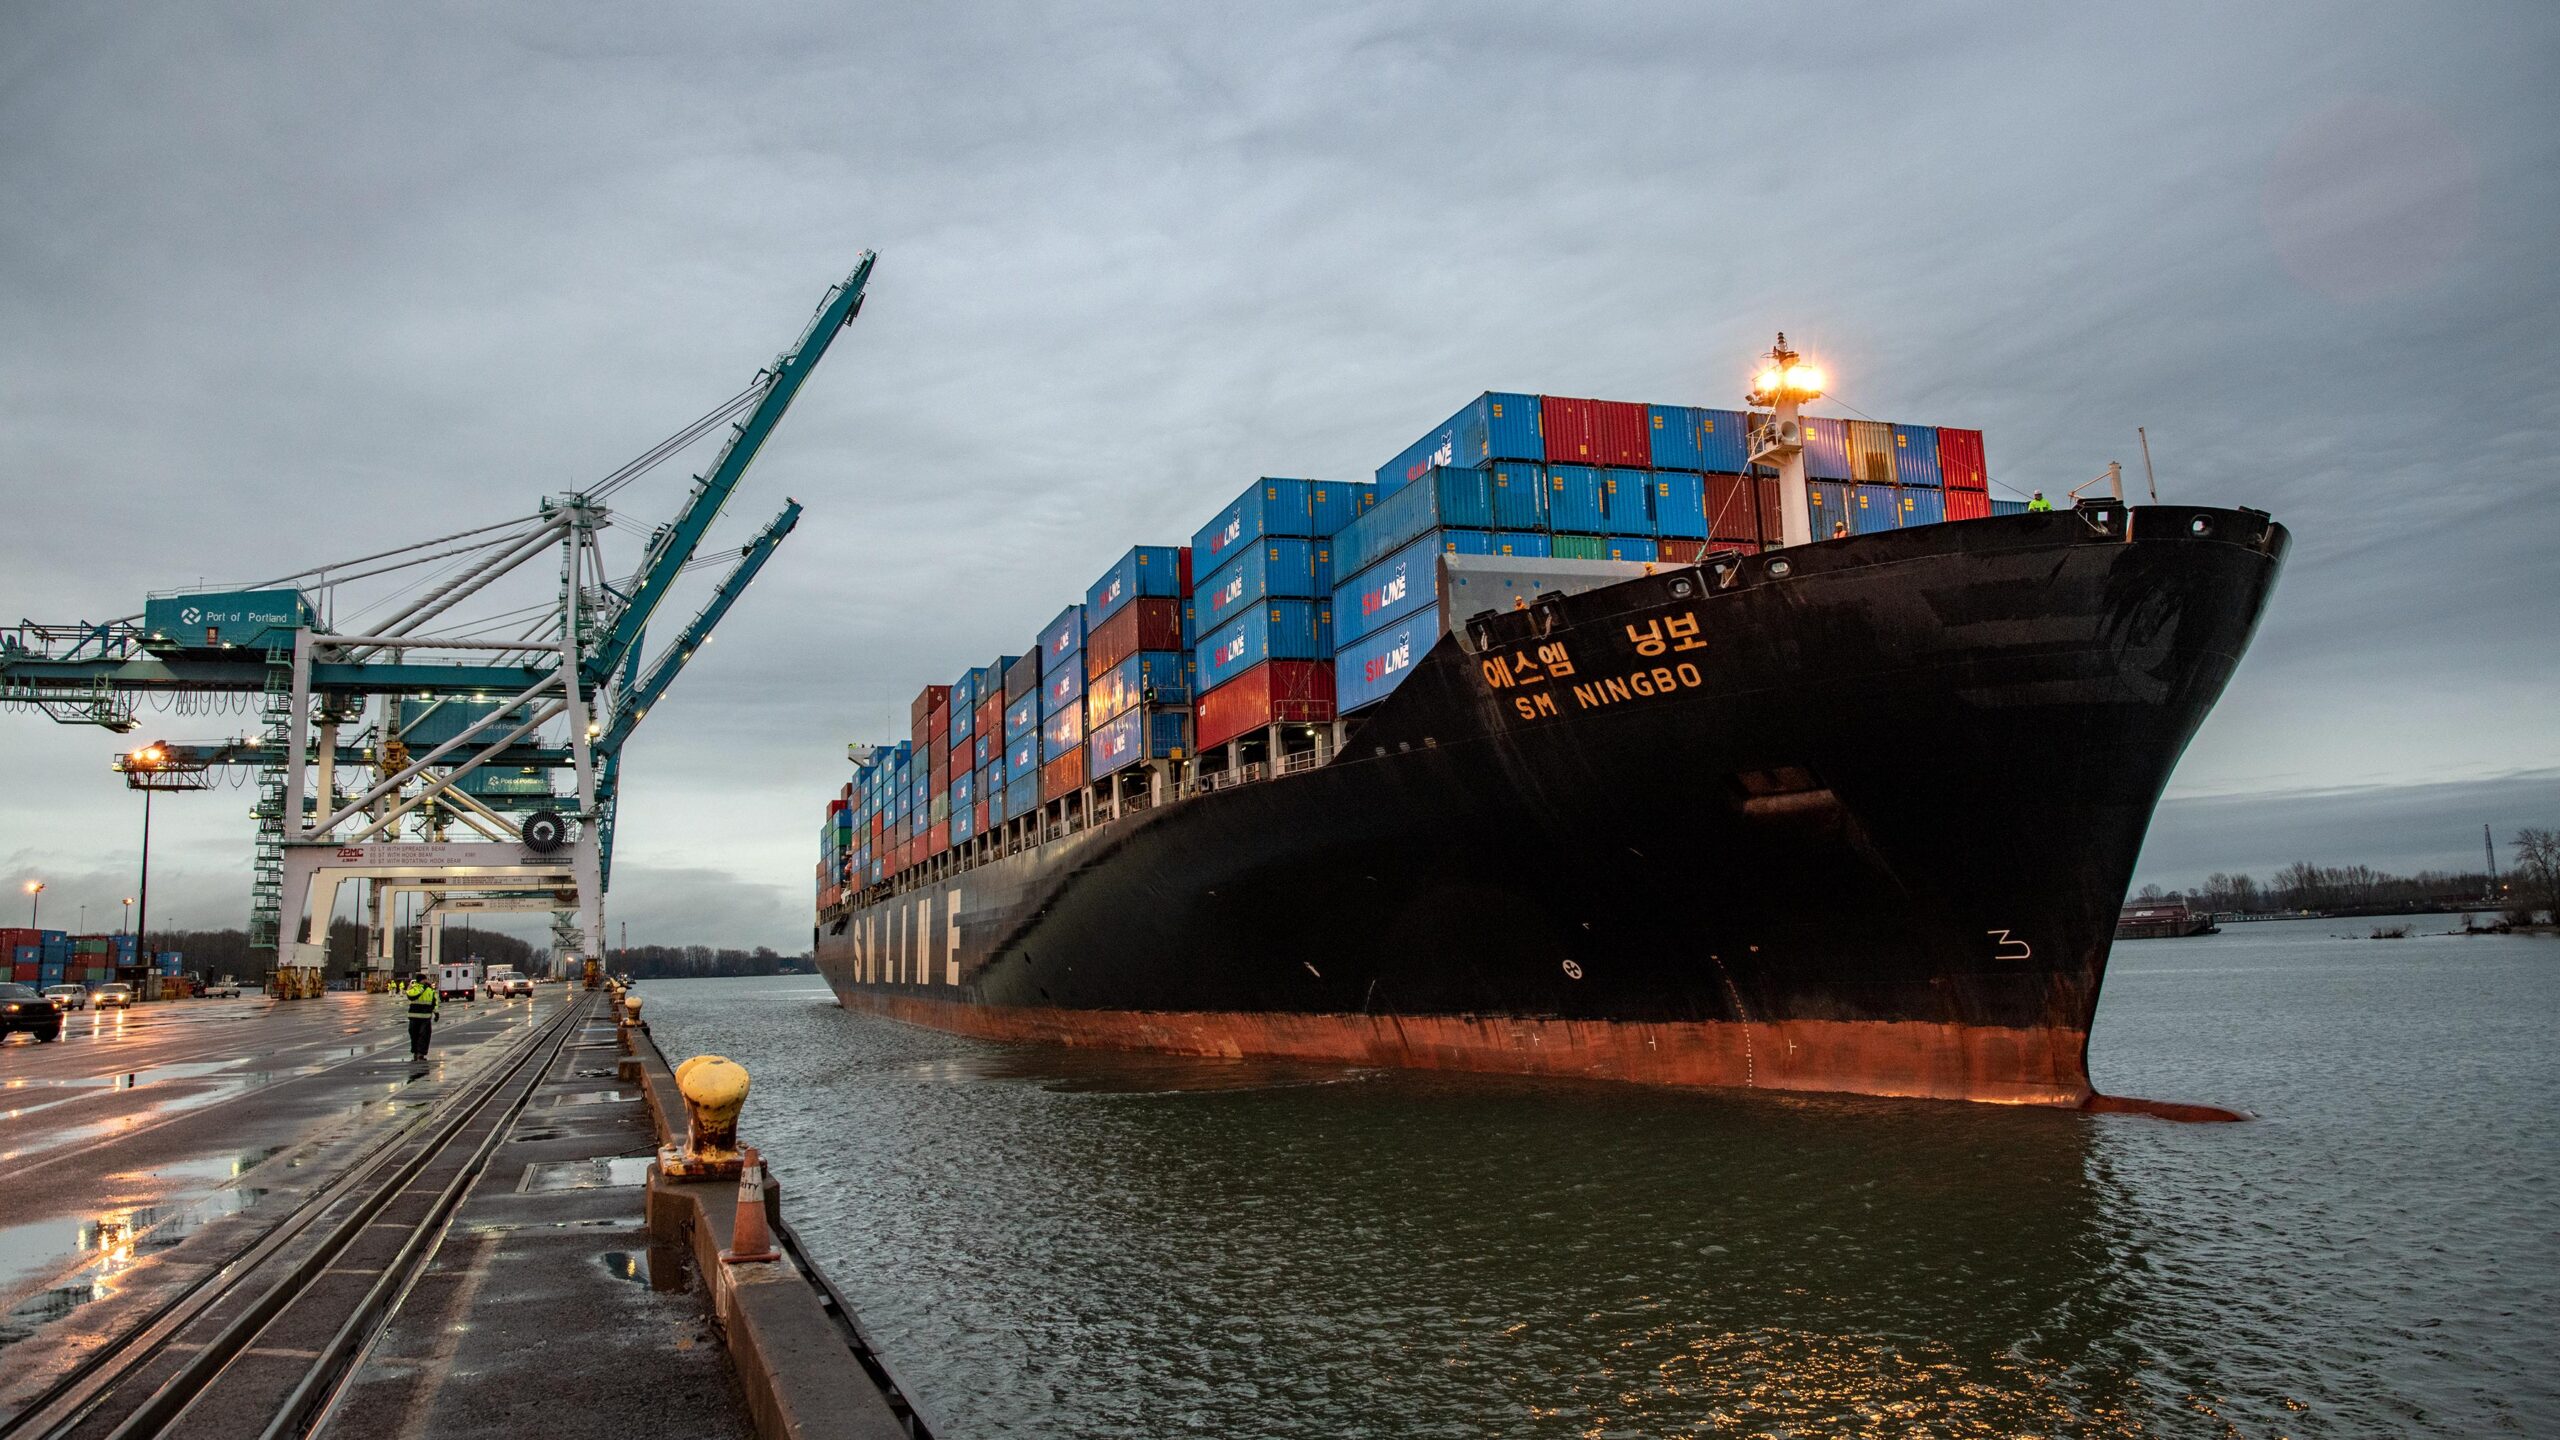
1304, 601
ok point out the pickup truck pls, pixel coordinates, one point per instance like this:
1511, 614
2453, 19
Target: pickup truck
503, 983
226, 988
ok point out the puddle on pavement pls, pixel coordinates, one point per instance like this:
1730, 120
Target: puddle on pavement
111, 1242
661, 1267
547, 1176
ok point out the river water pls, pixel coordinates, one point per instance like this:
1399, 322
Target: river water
1060, 1243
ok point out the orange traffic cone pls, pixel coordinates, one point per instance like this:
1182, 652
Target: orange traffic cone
750, 1239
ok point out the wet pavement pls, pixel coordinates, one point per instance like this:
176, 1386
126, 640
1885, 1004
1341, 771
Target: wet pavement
147, 1146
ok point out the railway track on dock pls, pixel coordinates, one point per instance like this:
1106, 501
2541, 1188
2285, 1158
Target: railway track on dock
261, 1345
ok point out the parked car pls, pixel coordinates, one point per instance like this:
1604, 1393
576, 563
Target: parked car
21, 1008
68, 997
119, 996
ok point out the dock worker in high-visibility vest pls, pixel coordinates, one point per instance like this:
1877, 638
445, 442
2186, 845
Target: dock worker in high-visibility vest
2039, 503
423, 1000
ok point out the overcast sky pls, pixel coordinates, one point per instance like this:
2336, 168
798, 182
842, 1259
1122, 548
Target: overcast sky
279, 286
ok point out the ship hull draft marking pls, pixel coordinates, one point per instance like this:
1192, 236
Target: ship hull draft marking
1878, 844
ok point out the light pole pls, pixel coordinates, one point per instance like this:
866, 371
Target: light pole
127, 926
35, 903
147, 761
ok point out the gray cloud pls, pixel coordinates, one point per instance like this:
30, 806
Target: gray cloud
273, 291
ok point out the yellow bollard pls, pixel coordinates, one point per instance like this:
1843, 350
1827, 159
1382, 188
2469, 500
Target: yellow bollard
715, 1090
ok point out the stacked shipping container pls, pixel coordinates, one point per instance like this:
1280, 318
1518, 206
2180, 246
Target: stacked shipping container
1306, 598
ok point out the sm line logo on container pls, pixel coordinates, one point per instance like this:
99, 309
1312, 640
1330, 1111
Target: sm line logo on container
1229, 593
1447, 454
1228, 536
1379, 667
1373, 601
1232, 650
1112, 595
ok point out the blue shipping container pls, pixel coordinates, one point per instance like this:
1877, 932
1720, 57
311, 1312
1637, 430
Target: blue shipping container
1679, 505
1626, 502
1061, 637
1062, 734
964, 721
2008, 507
984, 750
1282, 566
1145, 570
1442, 499
1923, 506
50, 972
1519, 494
1828, 502
1273, 630
1371, 667
964, 693
964, 808
1573, 500
1915, 454
993, 774
1686, 437
991, 785
1873, 508
1386, 592
1523, 542
1488, 428
1022, 755
1314, 508
1150, 677
1826, 449
1633, 547
1141, 734
1022, 795
1023, 716
1064, 687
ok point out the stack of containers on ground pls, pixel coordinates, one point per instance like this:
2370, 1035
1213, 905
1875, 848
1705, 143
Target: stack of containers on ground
36, 957
1264, 655
1137, 660
1062, 705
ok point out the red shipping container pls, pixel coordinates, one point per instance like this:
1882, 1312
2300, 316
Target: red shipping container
1270, 693
928, 700
1679, 552
1960, 463
12, 938
1968, 504
1147, 623
1730, 547
937, 839
26, 974
1596, 432
980, 817
990, 718
1184, 565
1772, 522
1062, 776
1733, 508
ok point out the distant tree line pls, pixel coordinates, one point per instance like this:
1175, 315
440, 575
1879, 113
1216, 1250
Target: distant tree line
2532, 882
690, 962
212, 953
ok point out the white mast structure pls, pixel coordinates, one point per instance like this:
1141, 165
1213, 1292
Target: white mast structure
1785, 382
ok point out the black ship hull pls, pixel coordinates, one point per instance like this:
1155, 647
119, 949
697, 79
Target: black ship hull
1855, 817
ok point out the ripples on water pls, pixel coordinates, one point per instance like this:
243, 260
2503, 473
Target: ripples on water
1061, 1243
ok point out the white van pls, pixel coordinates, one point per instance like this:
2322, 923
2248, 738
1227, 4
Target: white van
458, 980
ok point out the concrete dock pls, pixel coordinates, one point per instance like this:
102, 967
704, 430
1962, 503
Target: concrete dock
236, 1217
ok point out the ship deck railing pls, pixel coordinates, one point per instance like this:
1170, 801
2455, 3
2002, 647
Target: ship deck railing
1014, 842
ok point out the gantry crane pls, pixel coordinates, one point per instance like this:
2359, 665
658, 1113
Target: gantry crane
393, 669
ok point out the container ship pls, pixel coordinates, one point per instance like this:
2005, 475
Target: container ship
1601, 739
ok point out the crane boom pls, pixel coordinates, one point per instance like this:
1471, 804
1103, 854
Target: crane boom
635, 699
671, 547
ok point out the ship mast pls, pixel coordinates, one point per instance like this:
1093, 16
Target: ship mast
1784, 383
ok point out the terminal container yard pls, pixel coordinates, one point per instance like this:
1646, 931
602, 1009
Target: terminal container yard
1539, 753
